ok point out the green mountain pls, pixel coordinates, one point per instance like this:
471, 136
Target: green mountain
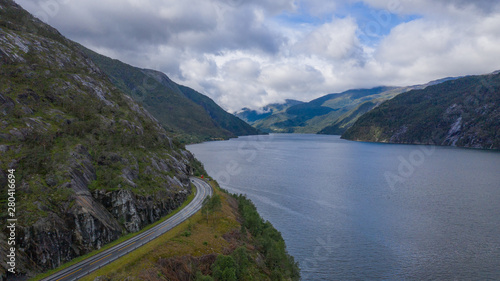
314, 116
463, 112
90, 163
331, 114
189, 115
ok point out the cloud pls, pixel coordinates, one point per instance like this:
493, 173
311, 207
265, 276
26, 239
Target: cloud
279, 77
422, 50
334, 40
439, 8
246, 53
244, 69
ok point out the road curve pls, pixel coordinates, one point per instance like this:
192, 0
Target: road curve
93, 263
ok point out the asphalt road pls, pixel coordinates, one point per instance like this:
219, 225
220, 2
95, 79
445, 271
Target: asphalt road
93, 263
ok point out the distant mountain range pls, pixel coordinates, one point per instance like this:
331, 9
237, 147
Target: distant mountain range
251, 115
329, 114
462, 112
184, 112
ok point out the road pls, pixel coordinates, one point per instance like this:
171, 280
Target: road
93, 263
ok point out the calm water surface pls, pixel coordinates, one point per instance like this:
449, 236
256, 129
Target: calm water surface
365, 211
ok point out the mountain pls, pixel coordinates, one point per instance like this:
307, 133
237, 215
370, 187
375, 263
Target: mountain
222, 118
90, 163
191, 116
464, 112
330, 114
251, 116
313, 116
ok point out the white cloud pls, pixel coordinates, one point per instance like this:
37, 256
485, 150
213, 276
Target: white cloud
244, 69
250, 53
334, 40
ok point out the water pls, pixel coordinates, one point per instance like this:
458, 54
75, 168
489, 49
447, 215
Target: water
365, 211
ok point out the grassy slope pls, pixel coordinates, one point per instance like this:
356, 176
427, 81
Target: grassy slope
222, 118
175, 112
193, 246
54, 99
56, 109
343, 122
69, 132
191, 116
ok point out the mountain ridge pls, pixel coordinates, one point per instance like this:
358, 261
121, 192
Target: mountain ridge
189, 115
460, 112
90, 163
332, 113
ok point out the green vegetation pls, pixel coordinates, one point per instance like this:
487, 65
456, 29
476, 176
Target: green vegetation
331, 114
223, 119
92, 166
252, 116
226, 250
348, 119
116, 242
269, 242
338, 110
462, 112
81, 148
211, 205
185, 113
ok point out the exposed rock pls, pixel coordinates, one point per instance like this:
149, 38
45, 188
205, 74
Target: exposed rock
74, 140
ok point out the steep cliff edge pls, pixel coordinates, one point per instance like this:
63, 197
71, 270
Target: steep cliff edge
91, 164
464, 112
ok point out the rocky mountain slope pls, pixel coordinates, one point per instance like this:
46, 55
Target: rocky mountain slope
463, 112
90, 163
189, 115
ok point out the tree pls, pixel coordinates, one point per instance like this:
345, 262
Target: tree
211, 205
224, 268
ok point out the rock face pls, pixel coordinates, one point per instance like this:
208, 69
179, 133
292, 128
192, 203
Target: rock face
464, 112
91, 164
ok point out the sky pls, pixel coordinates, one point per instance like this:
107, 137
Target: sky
249, 53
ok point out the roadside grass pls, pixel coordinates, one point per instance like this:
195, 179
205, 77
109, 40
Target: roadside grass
116, 242
195, 237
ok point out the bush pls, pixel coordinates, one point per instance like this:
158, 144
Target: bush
269, 241
225, 268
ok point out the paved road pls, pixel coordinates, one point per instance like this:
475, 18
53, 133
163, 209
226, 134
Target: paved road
91, 264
